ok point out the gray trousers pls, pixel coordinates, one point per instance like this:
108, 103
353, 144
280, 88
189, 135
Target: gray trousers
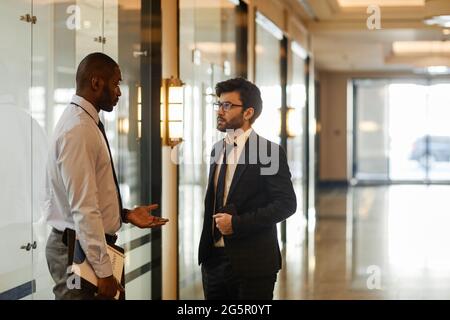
57, 258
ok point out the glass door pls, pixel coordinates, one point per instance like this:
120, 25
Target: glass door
437, 149
64, 34
52, 88
89, 35
296, 133
16, 141
408, 103
122, 30
402, 132
207, 56
268, 78
371, 130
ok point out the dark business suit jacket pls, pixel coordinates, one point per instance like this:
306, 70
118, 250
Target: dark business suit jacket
261, 201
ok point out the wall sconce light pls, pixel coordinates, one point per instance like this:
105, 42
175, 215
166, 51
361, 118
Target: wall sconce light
172, 101
293, 122
139, 112
123, 125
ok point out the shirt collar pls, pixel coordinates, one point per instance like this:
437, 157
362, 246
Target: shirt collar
239, 137
86, 105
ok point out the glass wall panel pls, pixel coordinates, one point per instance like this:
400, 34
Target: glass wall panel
406, 99
53, 78
268, 79
38, 83
372, 144
16, 167
207, 56
438, 131
296, 153
123, 29
392, 147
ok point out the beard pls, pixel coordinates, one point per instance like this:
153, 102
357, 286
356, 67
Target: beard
106, 102
232, 124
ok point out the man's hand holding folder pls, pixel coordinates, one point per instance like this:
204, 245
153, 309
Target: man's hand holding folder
107, 287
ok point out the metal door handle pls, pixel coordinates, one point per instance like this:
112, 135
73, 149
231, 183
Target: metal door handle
26, 18
26, 247
139, 53
100, 39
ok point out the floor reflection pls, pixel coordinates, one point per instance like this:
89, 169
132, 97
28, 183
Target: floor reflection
384, 242
374, 243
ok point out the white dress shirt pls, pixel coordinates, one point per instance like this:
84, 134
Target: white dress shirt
80, 189
240, 138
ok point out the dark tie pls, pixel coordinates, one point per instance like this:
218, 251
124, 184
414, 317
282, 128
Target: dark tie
220, 189
102, 129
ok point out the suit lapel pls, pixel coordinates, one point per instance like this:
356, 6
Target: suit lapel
212, 170
215, 154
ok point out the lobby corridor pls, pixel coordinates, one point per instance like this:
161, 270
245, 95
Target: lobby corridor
383, 242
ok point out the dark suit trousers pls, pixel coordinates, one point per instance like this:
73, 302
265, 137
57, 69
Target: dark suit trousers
219, 282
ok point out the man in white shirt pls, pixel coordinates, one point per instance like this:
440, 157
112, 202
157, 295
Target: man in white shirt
82, 190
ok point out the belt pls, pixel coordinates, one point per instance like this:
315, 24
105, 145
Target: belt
57, 231
110, 239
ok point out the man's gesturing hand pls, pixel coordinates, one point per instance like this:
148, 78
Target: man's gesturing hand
141, 217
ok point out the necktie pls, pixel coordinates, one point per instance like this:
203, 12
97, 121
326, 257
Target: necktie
220, 189
102, 129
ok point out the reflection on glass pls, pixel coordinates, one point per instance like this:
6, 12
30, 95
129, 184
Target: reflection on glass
65, 33
296, 100
407, 122
438, 148
371, 129
268, 79
207, 56
401, 131
21, 142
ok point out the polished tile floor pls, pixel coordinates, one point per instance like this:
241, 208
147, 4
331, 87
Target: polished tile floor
383, 242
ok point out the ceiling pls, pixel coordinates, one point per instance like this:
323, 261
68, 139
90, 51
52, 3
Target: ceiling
342, 40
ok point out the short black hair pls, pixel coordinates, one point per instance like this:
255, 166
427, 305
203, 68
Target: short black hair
95, 64
249, 93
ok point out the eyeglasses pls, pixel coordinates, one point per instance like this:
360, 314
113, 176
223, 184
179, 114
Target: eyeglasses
226, 106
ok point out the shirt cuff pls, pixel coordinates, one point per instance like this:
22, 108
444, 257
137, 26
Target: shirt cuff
103, 270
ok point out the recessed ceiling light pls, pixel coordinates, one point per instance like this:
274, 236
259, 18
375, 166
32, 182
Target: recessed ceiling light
443, 21
405, 48
438, 70
381, 3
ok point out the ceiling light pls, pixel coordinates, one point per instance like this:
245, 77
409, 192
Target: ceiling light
443, 21
235, 2
381, 3
420, 47
438, 70
268, 25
